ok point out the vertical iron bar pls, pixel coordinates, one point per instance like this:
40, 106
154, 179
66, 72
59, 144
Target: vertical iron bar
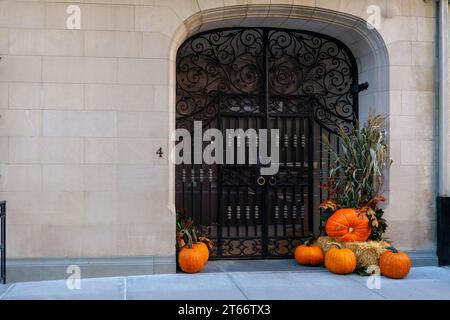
286, 170
192, 175
328, 154
228, 188
302, 146
210, 233
294, 160
321, 177
247, 155
237, 193
264, 213
304, 122
200, 196
311, 176
302, 210
276, 188
257, 188
219, 196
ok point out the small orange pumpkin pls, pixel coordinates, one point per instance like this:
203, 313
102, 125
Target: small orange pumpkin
309, 255
348, 225
340, 261
190, 259
394, 264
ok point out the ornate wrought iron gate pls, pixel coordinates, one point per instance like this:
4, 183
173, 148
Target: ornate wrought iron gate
301, 83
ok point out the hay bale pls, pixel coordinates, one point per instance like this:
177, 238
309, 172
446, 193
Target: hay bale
325, 243
367, 253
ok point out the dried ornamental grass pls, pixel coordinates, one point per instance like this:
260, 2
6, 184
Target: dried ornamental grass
358, 172
367, 253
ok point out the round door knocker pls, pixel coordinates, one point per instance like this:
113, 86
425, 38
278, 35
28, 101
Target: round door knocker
261, 181
272, 180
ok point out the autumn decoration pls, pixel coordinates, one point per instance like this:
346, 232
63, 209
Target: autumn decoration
352, 220
190, 259
192, 251
340, 260
394, 264
367, 253
309, 254
348, 225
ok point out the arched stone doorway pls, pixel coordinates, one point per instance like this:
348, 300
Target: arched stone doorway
368, 53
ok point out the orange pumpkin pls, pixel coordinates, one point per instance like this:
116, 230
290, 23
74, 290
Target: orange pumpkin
203, 248
190, 260
394, 264
309, 255
348, 225
340, 261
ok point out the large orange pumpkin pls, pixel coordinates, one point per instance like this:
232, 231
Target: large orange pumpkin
348, 225
203, 248
191, 260
394, 264
340, 261
309, 255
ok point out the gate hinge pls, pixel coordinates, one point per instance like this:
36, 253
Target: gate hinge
357, 88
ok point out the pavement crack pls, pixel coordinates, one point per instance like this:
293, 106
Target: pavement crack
236, 285
7, 291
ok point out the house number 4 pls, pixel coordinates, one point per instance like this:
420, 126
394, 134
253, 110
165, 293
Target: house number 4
160, 152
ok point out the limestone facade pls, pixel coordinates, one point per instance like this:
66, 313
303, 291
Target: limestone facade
83, 112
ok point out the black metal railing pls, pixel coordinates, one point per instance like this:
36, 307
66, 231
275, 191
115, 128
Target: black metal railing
3, 242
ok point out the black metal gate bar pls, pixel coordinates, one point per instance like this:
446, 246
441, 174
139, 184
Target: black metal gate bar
3, 242
262, 78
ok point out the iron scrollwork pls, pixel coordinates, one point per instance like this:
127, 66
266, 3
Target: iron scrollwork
214, 64
242, 247
308, 65
316, 72
283, 246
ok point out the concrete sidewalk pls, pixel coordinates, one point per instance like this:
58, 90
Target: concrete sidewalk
228, 281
